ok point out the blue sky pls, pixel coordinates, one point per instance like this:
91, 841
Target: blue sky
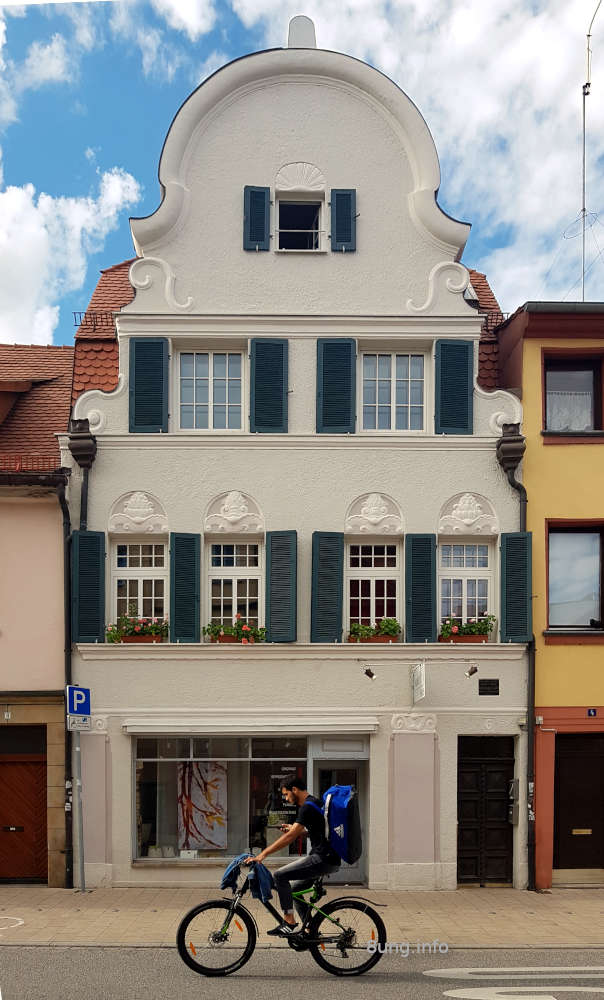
88, 91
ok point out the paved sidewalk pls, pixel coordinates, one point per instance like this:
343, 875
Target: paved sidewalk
466, 918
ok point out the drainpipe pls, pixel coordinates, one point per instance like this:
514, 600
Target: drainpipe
82, 445
510, 449
67, 631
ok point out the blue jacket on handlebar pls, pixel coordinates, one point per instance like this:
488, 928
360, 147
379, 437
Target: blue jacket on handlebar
260, 879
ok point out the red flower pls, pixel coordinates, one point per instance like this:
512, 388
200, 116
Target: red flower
455, 629
245, 642
137, 628
237, 615
245, 628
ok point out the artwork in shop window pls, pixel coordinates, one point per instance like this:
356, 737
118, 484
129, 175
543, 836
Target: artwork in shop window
202, 805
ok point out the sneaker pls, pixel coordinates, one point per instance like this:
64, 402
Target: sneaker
283, 930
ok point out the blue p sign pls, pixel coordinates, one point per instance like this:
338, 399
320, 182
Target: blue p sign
78, 700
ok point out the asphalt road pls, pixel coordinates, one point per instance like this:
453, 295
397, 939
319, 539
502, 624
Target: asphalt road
74, 973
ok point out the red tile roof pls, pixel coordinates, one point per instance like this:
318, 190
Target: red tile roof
27, 433
96, 350
488, 348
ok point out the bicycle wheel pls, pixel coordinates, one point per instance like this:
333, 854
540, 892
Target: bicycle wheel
208, 946
352, 931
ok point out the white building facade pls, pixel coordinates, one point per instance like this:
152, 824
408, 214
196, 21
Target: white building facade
297, 436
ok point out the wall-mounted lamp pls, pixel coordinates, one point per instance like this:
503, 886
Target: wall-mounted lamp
369, 673
472, 669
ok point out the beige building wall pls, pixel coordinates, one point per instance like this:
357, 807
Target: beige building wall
31, 594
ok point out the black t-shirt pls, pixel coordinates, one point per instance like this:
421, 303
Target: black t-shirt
314, 822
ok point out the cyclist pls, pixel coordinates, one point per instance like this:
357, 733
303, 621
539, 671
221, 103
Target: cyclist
321, 860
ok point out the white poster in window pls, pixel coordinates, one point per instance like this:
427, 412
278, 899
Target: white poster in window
202, 805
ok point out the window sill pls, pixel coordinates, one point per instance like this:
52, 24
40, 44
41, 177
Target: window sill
279, 250
572, 437
573, 637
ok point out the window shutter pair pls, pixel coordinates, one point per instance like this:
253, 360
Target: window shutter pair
256, 219
88, 586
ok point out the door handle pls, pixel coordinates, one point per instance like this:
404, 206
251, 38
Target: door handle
13, 829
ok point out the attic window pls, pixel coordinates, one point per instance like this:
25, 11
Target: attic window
299, 225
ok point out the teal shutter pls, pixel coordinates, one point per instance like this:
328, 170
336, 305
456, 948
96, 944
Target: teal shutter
148, 385
281, 586
343, 219
88, 586
336, 386
516, 587
420, 588
327, 586
256, 218
184, 587
268, 397
454, 387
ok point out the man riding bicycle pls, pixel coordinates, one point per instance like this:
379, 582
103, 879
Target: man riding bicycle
321, 859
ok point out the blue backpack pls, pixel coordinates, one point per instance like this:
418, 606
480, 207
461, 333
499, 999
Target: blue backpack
342, 821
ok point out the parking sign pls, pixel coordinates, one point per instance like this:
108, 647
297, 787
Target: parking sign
78, 700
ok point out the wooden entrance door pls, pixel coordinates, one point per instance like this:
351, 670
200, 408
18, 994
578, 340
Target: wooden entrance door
485, 769
23, 847
579, 801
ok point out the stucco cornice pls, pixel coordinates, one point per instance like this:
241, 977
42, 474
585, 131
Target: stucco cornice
248, 325
288, 442
329, 69
401, 655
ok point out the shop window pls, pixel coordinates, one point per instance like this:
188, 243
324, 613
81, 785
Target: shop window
214, 797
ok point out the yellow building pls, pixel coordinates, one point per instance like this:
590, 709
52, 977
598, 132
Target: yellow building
552, 354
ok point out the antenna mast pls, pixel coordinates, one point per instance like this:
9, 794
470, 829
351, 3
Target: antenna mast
586, 90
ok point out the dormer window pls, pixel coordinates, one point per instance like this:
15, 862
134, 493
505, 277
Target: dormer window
300, 225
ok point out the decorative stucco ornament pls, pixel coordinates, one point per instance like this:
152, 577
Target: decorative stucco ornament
138, 513
510, 412
374, 514
468, 514
443, 279
413, 723
300, 177
143, 273
233, 512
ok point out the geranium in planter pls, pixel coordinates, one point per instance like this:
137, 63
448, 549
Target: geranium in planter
131, 628
384, 630
474, 630
240, 631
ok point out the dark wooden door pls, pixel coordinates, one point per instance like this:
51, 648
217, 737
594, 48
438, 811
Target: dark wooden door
485, 769
579, 801
23, 847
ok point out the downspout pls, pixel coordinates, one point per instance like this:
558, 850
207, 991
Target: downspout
82, 445
67, 670
510, 449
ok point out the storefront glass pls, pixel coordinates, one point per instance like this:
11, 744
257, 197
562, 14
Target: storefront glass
216, 796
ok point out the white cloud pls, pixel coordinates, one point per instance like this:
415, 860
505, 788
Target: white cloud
159, 58
213, 62
44, 245
499, 84
195, 17
50, 63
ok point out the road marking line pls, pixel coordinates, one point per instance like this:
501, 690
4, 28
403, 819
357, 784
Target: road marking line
518, 993
521, 972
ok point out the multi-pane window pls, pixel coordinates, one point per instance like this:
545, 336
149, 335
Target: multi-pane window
234, 582
140, 580
465, 581
210, 384
393, 392
575, 578
573, 395
373, 582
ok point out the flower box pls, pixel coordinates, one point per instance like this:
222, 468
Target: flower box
463, 638
141, 638
225, 638
375, 638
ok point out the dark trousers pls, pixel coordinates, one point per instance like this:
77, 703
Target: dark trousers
300, 874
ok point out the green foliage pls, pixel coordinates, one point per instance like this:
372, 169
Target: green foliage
473, 626
383, 626
243, 632
131, 624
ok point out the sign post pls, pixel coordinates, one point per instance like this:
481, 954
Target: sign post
78, 720
418, 674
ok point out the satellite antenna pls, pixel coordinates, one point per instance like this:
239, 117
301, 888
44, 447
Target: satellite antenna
586, 90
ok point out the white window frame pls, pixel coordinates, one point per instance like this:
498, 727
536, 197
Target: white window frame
373, 573
140, 573
428, 388
314, 197
234, 572
467, 573
211, 351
